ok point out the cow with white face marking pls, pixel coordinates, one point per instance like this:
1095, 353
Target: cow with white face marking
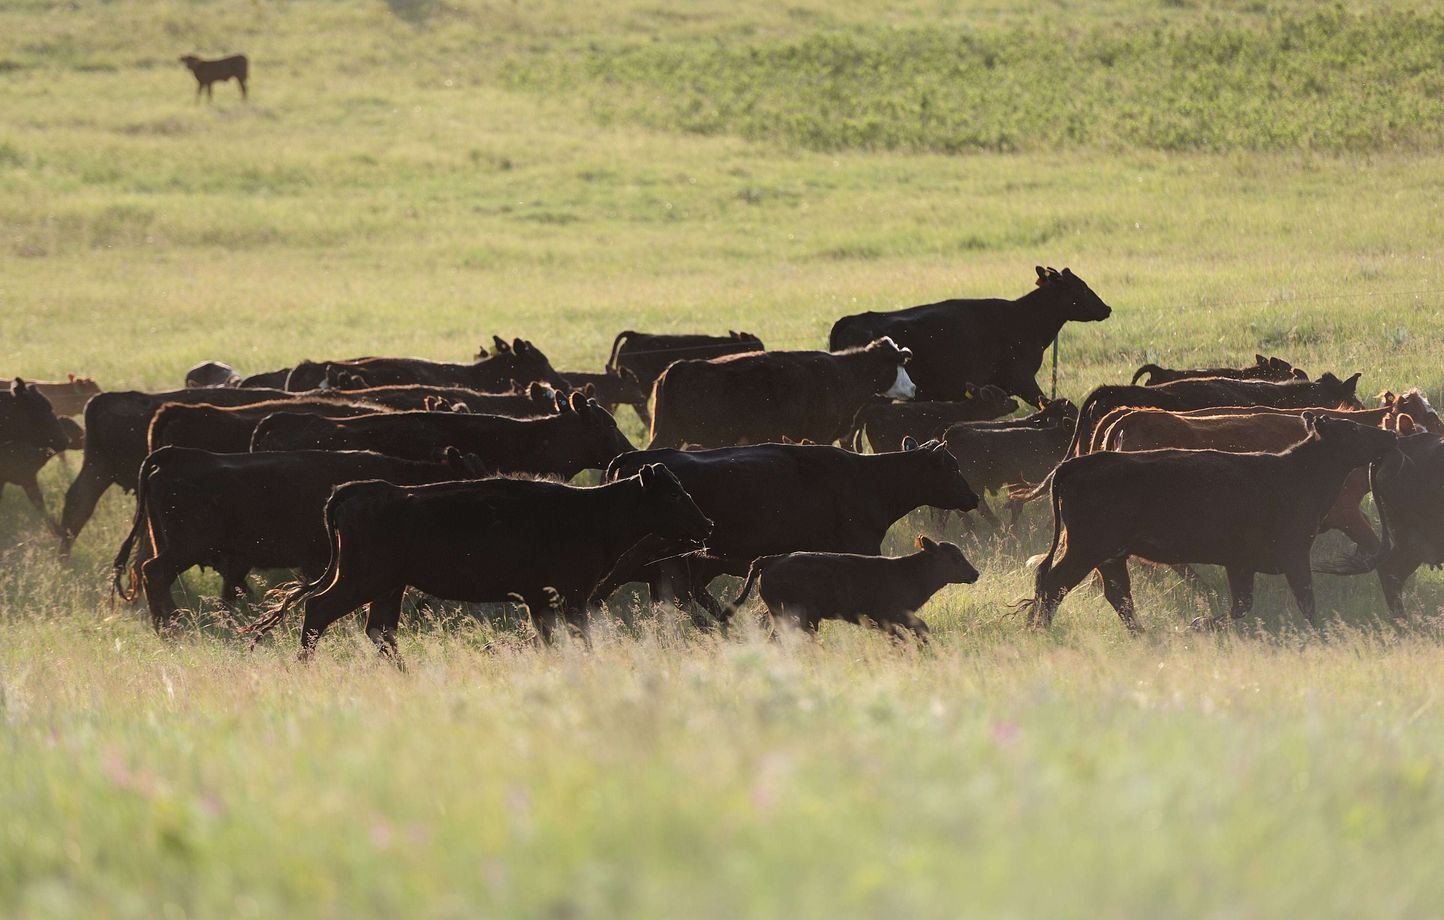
764, 397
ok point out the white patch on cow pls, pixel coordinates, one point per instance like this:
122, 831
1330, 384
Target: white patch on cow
903, 387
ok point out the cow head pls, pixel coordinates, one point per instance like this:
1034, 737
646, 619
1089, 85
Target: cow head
949, 561
1336, 392
669, 510
935, 473
1056, 412
190, 60
1276, 369
745, 338
1412, 407
993, 401
888, 377
599, 439
1074, 297
523, 361
1355, 445
31, 421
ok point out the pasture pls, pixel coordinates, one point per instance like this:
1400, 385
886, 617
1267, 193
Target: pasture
414, 176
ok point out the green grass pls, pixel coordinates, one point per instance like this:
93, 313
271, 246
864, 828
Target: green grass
413, 177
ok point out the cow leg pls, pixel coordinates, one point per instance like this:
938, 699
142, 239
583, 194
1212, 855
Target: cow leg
906, 626
1118, 590
80, 501
234, 589
1301, 581
1053, 585
242, 81
210, 92
334, 602
1393, 572
199, 86
157, 575
718, 615
382, 620
986, 513
37, 500
1356, 527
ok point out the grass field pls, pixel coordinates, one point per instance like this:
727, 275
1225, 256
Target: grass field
413, 176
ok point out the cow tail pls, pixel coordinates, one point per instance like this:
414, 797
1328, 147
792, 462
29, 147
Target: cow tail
855, 431
617, 344
122, 558
277, 609
1150, 369
753, 573
1085, 414
1359, 562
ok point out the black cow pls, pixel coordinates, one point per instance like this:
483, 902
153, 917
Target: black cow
1275, 369
267, 380
995, 341
991, 459
238, 512
783, 498
771, 395
30, 434
220, 70
1409, 493
493, 540
580, 436
887, 423
644, 355
803, 589
117, 427
509, 365
228, 429
1250, 513
611, 391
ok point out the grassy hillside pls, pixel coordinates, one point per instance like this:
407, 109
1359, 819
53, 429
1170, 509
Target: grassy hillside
413, 176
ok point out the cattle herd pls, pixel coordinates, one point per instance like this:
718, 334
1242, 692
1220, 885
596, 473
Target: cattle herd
371, 475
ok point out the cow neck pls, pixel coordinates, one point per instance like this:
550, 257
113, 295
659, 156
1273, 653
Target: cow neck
1038, 314
620, 518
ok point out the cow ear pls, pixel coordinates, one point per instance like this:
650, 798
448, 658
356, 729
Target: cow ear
17, 387
1310, 422
559, 401
577, 401
519, 345
1404, 424
1042, 272
1352, 383
1300, 374
924, 544
498, 344
648, 475
909, 443
1260, 361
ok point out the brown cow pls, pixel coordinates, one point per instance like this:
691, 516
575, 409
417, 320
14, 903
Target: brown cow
30, 434
644, 355
1253, 512
803, 589
532, 401
487, 541
1275, 369
518, 362
1197, 393
767, 396
218, 71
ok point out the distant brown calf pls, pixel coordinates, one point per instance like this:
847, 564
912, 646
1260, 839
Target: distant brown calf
217, 71
802, 589
67, 397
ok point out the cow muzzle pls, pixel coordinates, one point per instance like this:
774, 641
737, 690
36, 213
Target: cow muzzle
903, 386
